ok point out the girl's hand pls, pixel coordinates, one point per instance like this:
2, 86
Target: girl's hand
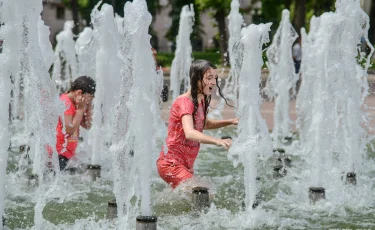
235, 121
226, 143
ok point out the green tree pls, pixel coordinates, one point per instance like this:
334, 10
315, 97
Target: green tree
84, 8
299, 18
220, 10
271, 12
176, 7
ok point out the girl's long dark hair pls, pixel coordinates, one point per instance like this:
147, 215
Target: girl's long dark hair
197, 70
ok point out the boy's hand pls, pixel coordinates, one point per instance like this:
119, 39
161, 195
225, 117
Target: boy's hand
80, 102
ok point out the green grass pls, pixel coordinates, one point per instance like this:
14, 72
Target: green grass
165, 59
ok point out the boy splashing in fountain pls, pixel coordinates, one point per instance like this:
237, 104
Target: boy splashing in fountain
77, 113
187, 119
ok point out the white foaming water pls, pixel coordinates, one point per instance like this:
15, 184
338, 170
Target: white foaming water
282, 77
253, 140
230, 89
286, 205
353, 84
10, 33
120, 24
334, 90
327, 73
137, 116
107, 79
41, 99
305, 94
86, 49
235, 21
182, 58
65, 65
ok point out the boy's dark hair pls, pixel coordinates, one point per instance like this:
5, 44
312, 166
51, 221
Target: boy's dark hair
84, 83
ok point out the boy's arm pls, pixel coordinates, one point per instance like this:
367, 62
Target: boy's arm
215, 124
72, 123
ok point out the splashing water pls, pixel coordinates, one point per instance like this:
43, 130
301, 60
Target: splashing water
65, 65
353, 84
282, 77
305, 94
10, 33
41, 99
85, 49
253, 137
230, 89
235, 21
336, 129
139, 103
107, 79
182, 59
120, 24
286, 204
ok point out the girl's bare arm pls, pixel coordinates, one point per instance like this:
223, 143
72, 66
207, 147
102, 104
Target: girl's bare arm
192, 134
215, 124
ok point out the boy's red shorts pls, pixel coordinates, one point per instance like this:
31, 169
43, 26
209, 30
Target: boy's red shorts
172, 171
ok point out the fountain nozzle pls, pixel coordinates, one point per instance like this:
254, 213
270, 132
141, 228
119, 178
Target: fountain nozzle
316, 194
146, 223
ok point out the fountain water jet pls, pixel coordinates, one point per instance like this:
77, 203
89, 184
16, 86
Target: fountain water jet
9, 32
65, 65
86, 53
354, 86
41, 100
182, 60
230, 88
327, 72
107, 78
329, 67
282, 77
137, 122
306, 92
253, 137
235, 21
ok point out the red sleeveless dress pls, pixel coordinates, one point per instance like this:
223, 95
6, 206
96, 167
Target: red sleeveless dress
177, 164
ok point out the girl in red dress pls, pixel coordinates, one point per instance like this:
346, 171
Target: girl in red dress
187, 119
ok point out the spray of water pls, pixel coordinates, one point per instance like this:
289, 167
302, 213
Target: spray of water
254, 141
86, 49
282, 77
230, 88
107, 78
235, 21
353, 84
10, 33
336, 86
182, 58
137, 114
120, 24
65, 65
41, 99
305, 94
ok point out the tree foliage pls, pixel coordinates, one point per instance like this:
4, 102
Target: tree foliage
85, 7
176, 7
